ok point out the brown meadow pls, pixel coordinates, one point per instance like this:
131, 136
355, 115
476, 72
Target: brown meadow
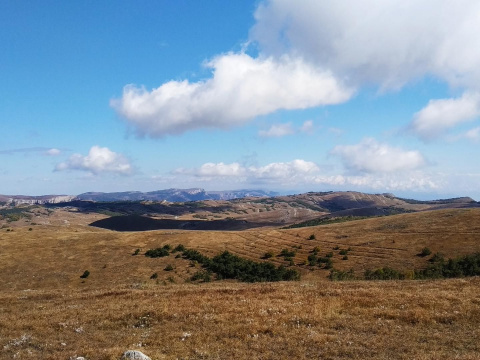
47, 311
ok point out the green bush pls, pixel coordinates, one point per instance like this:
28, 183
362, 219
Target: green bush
179, 248
343, 252
328, 264
85, 274
267, 255
287, 253
437, 257
345, 257
154, 276
384, 273
158, 252
136, 252
425, 252
311, 237
338, 275
202, 275
468, 265
168, 268
312, 259
329, 255
229, 266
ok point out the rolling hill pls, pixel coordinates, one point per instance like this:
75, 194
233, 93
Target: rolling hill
131, 301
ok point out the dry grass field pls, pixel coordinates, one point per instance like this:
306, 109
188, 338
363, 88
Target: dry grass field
48, 312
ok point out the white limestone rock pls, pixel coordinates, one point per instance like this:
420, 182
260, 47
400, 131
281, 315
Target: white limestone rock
134, 355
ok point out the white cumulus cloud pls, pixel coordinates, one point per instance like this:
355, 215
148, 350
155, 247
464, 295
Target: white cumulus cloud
382, 42
241, 88
99, 160
369, 156
296, 170
440, 115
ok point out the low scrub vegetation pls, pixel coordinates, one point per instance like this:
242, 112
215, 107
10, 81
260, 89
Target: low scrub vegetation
158, 252
229, 266
468, 265
439, 268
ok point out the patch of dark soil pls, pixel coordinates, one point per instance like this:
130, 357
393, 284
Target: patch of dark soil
143, 223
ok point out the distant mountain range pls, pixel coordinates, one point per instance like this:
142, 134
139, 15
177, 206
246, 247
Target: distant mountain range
170, 195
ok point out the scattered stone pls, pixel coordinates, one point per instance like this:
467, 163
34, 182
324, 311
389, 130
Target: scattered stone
134, 355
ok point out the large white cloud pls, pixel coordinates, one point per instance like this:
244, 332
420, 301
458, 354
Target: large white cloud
412, 181
99, 160
443, 114
369, 156
241, 88
305, 173
294, 171
372, 41
317, 52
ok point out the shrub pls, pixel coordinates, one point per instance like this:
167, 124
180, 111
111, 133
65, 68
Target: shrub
311, 237
154, 276
336, 247
268, 255
437, 257
316, 250
328, 264
343, 252
345, 257
136, 252
384, 273
287, 253
169, 267
312, 259
85, 274
202, 275
179, 248
425, 252
338, 275
468, 265
229, 266
158, 252
195, 256
329, 255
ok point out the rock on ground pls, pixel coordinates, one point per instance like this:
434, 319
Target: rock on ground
134, 355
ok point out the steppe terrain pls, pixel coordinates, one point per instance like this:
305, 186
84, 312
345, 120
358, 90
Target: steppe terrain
48, 311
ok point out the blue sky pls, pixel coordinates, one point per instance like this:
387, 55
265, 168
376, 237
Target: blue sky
374, 96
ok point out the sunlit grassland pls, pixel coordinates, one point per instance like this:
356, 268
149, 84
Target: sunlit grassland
47, 311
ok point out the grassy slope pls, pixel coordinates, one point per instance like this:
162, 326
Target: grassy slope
44, 303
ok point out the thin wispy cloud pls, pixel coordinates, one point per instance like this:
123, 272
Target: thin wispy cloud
37, 150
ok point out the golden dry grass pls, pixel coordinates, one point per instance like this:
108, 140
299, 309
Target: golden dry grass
55, 255
354, 320
47, 311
